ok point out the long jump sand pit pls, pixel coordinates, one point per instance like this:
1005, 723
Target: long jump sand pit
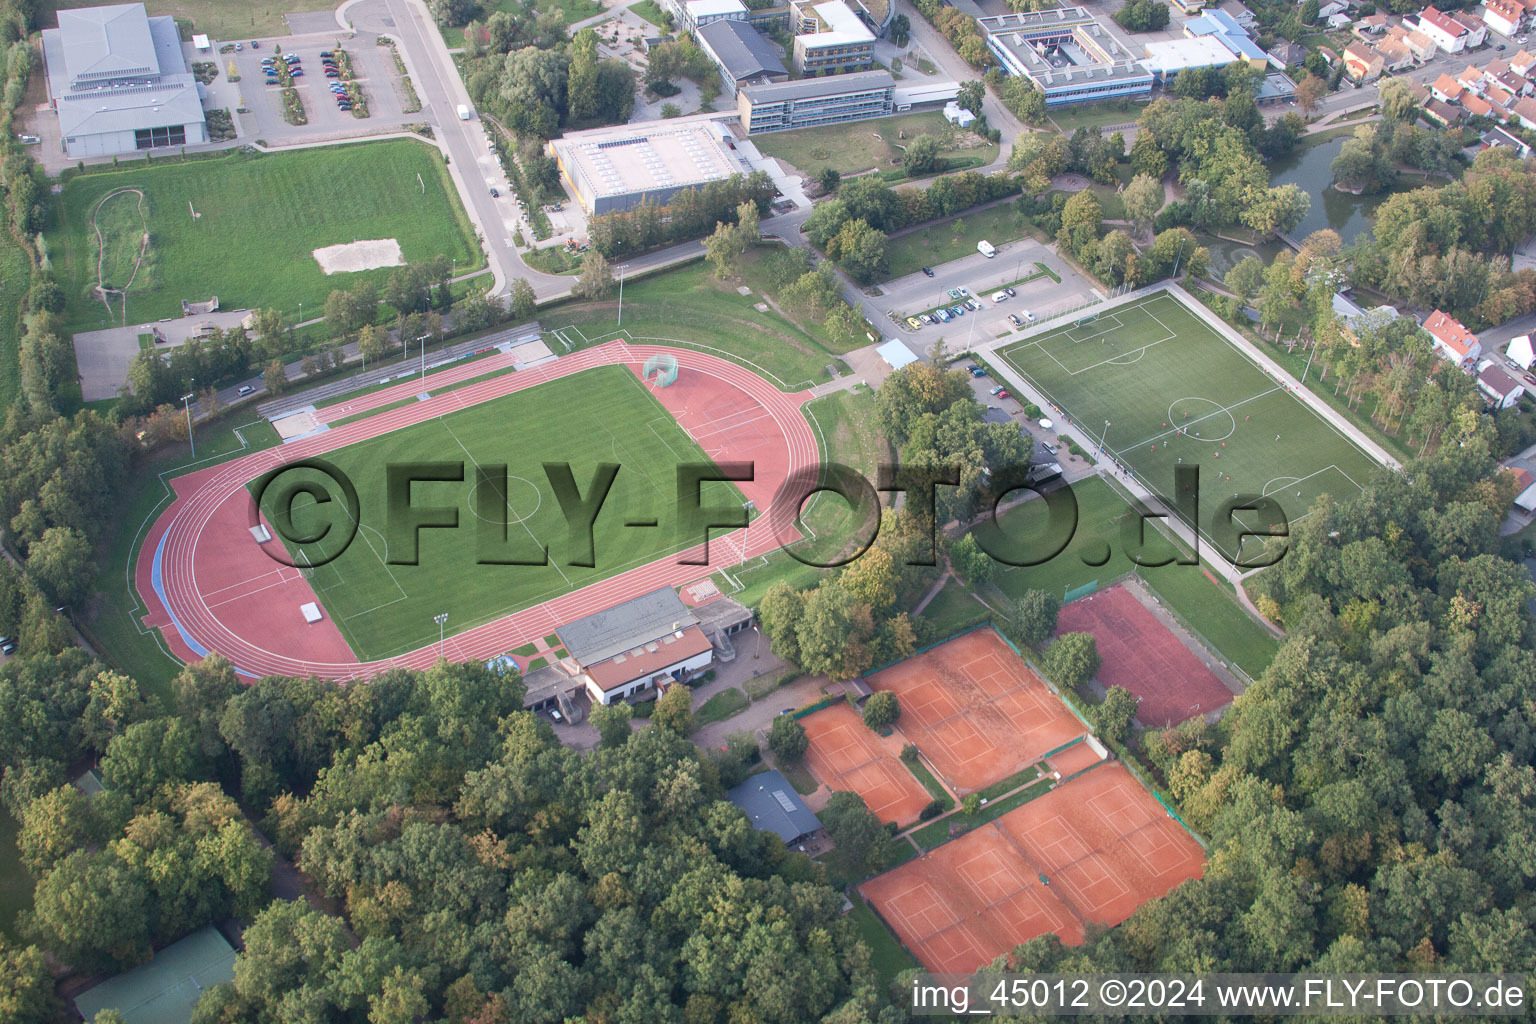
846, 755
976, 711
1090, 851
350, 257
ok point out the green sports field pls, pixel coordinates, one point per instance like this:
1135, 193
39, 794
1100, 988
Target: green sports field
599, 415
1173, 392
259, 219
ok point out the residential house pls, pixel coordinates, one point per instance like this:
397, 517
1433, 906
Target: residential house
1328, 55
1500, 99
1443, 113
1422, 46
1447, 89
1338, 21
1504, 16
1521, 352
1472, 78
1284, 54
1395, 54
1476, 105
1498, 387
1524, 111
1449, 34
1522, 62
1363, 62
1494, 138
1372, 25
1451, 340
1477, 30
1331, 8
1517, 84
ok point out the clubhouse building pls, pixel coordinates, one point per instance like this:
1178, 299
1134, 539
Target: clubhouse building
119, 82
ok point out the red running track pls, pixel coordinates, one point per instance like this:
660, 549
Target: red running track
223, 594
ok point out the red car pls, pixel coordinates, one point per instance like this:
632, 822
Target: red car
1004, 394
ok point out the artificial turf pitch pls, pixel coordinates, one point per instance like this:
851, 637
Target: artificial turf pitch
602, 415
1164, 391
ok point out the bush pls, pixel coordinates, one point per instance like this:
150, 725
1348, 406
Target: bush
787, 739
881, 709
1032, 411
909, 753
933, 810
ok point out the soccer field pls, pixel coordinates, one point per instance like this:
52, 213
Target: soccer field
600, 415
1163, 390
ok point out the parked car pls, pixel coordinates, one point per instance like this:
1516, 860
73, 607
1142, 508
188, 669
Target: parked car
7, 645
1011, 292
272, 80
333, 74
239, 47
957, 310
954, 294
255, 44
963, 290
976, 371
1029, 316
914, 323
246, 389
997, 390
973, 303
495, 193
999, 296
326, 53
1013, 318
943, 315
928, 271
1004, 394
927, 318
296, 73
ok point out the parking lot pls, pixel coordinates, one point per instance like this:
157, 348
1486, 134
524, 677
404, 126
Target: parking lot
919, 293
371, 64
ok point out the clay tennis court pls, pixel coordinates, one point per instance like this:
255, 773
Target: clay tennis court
1092, 850
847, 755
1142, 656
975, 710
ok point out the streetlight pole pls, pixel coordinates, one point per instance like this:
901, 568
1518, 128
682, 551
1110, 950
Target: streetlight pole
621, 293
441, 619
1102, 436
186, 400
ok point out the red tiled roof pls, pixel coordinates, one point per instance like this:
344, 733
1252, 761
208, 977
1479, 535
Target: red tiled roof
1476, 105
1448, 86
1443, 22
1447, 330
642, 665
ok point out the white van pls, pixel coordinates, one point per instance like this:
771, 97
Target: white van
999, 296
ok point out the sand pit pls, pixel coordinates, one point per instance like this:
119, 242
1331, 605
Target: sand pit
295, 424
350, 257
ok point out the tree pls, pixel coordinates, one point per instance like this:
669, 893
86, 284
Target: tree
779, 613
524, 304
861, 844
1310, 92
60, 563
828, 179
1113, 716
612, 722
1142, 16
1081, 219
971, 95
787, 739
372, 342
923, 154
1245, 278
973, 564
1072, 660
723, 249
1033, 617
275, 377
533, 91
596, 279
1143, 197
26, 987
582, 84
92, 911
674, 710
881, 709
859, 249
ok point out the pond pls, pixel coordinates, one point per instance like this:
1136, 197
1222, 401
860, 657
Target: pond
1347, 214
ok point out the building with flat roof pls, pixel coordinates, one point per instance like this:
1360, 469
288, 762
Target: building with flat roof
810, 102
644, 643
119, 83
741, 53
830, 37
1166, 59
772, 805
1067, 54
165, 990
620, 166
691, 15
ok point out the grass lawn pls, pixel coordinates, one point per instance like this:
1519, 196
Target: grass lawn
15, 883
953, 609
574, 10
553, 260
721, 706
1212, 611
848, 432
930, 837
651, 11
231, 20
952, 239
259, 218
931, 784
111, 619
1100, 511
386, 609
14, 278
800, 777
1072, 116
689, 306
886, 954
1175, 394
865, 145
